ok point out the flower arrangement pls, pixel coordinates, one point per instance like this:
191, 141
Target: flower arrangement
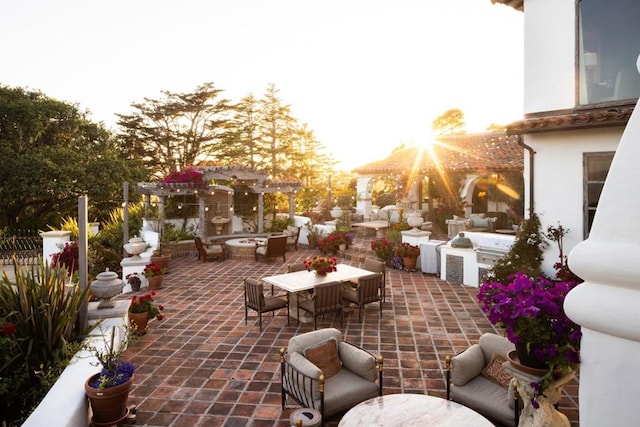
531, 312
383, 248
321, 265
114, 370
134, 280
187, 175
146, 304
153, 269
331, 243
406, 250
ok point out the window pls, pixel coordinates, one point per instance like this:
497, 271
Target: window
609, 44
596, 168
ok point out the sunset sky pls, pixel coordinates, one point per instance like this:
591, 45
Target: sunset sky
366, 75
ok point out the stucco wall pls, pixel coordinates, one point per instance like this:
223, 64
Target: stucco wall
549, 55
558, 179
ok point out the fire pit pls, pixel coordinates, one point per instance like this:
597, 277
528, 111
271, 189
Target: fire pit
243, 249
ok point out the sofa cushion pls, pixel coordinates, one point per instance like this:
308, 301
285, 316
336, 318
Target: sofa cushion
495, 373
467, 365
325, 356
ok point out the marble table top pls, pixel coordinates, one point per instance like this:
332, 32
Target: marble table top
303, 280
412, 410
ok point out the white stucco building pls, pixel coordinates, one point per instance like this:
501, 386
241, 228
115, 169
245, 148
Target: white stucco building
581, 87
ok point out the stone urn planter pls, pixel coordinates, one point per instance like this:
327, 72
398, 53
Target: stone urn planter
106, 286
135, 247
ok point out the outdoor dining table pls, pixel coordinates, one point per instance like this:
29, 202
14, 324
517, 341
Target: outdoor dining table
300, 281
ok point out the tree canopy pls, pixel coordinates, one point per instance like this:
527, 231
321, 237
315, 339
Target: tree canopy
52, 155
451, 122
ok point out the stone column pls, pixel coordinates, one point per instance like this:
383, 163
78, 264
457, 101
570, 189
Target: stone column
363, 189
260, 212
202, 216
607, 304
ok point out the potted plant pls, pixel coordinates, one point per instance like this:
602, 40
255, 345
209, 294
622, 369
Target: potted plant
532, 315
154, 274
383, 248
321, 265
134, 280
143, 309
409, 254
314, 234
108, 390
331, 243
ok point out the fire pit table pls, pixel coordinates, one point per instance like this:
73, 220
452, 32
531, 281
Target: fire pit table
243, 249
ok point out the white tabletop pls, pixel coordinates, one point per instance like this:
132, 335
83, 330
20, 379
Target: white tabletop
303, 280
412, 410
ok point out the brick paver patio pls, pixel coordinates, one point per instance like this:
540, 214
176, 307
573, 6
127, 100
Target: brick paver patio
203, 366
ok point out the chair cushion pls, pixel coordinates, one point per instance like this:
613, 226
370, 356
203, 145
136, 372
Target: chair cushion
274, 303
325, 356
261, 250
345, 390
358, 361
486, 397
214, 250
495, 373
467, 365
298, 343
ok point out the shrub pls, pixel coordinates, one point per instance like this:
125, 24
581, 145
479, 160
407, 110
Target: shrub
38, 314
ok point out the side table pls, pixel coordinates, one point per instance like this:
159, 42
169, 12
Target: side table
546, 414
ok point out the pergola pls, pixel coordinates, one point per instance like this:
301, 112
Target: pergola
220, 197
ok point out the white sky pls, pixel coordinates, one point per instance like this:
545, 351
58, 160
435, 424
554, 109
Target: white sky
366, 75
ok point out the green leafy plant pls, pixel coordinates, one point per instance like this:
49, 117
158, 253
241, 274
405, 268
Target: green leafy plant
153, 269
38, 311
383, 248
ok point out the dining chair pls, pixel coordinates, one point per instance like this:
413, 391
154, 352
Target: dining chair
327, 298
366, 291
292, 268
378, 266
274, 247
254, 299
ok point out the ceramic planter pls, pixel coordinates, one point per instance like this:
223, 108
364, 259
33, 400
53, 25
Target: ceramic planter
109, 405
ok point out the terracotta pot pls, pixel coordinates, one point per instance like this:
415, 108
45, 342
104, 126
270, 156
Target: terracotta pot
139, 321
155, 282
529, 359
409, 263
109, 405
162, 260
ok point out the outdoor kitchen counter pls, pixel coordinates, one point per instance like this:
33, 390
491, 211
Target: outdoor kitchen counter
466, 266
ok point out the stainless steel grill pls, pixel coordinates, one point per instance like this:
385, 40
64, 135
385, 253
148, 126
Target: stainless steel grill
492, 248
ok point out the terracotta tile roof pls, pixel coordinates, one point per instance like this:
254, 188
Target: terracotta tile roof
573, 119
516, 4
493, 151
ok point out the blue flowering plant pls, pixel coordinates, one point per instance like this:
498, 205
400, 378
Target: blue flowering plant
531, 313
114, 370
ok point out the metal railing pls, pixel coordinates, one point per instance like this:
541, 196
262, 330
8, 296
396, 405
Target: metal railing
24, 245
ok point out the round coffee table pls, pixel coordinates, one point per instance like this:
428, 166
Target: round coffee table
412, 409
243, 249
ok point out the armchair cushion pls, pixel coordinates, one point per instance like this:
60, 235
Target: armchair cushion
495, 373
467, 365
325, 356
345, 390
358, 361
482, 395
261, 250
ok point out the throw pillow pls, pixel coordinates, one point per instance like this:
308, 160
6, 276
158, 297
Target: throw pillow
325, 357
495, 373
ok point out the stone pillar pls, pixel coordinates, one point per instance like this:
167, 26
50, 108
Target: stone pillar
363, 189
260, 212
606, 305
291, 206
202, 216
161, 200
52, 243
